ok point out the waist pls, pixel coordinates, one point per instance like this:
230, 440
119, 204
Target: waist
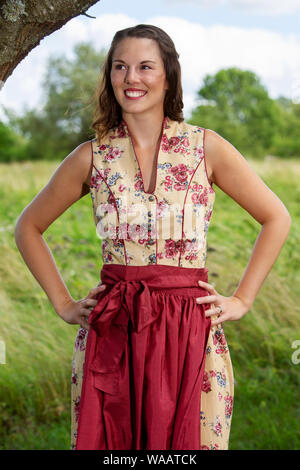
162, 278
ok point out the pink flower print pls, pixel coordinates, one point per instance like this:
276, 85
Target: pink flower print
228, 406
122, 187
79, 343
191, 257
76, 408
202, 198
204, 448
219, 338
74, 375
185, 142
197, 187
171, 247
206, 385
198, 151
208, 215
160, 255
102, 147
121, 131
217, 426
95, 181
111, 199
195, 198
174, 141
165, 143
162, 206
179, 187
212, 373
168, 183
113, 153
181, 176
138, 186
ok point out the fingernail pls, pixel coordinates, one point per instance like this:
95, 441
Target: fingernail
199, 282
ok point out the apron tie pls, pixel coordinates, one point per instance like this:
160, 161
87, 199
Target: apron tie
127, 300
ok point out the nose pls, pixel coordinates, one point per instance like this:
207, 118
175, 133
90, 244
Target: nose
131, 76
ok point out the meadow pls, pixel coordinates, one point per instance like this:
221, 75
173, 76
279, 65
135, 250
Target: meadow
35, 381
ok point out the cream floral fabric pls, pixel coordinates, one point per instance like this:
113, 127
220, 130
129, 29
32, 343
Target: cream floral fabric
168, 226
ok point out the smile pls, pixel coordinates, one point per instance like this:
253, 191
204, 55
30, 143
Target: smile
134, 95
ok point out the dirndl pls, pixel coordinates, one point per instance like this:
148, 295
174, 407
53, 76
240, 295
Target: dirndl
144, 361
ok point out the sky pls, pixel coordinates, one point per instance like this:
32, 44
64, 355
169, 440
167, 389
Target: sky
258, 35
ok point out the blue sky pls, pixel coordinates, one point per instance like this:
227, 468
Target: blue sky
207, 13
258, 35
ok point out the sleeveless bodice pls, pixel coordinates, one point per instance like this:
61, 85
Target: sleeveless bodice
167, 226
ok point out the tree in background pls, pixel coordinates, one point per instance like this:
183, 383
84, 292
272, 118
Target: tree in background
287, 140
236, 105
24, 23
64, 121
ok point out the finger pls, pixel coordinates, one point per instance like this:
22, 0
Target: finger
84, 322
206, 285
96, 290
206, 299
211, 311
219, 320
90, 302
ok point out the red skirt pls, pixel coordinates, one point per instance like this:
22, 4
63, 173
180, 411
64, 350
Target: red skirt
144, 360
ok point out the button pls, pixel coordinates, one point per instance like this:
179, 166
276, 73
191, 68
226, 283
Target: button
151, 241
149, 214
151, 198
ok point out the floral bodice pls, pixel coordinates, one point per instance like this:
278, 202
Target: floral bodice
166, 226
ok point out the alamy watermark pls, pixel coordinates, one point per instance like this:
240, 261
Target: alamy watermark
2, 352
139, 221
296, 89
296, 354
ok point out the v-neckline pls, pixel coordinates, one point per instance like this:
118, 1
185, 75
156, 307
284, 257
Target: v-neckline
156, 156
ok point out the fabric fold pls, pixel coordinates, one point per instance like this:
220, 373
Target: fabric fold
121, 367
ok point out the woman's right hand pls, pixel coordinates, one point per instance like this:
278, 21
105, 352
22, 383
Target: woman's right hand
77, 312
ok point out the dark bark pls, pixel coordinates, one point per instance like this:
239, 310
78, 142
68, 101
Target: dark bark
24, 23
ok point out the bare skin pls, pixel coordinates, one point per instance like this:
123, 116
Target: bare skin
226, 167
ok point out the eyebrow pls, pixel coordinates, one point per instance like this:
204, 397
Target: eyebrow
143, 61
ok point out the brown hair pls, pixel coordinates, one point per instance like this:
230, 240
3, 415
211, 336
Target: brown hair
108, 112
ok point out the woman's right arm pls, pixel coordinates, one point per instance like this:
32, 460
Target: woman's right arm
68, 184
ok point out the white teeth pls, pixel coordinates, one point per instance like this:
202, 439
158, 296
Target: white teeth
135, 94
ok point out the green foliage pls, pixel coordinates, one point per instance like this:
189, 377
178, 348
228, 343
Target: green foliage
64, 121
35, 382
12, 145
235, 104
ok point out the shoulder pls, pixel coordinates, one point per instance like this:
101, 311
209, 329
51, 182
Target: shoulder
80, 160
221, 156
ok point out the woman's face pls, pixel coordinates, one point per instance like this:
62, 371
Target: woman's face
138, 76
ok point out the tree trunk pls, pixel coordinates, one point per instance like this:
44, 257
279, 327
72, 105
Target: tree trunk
23, 23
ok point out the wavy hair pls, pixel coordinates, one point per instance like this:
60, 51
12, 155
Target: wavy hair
108, 112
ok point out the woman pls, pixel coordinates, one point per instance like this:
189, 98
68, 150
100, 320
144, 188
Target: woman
151, 366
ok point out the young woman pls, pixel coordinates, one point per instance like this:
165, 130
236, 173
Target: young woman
151, 366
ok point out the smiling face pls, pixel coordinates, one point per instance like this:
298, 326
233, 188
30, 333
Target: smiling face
138, 76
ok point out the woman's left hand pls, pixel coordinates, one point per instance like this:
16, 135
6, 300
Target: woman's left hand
233, 308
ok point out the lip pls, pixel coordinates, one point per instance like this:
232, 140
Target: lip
134, 97
133, 89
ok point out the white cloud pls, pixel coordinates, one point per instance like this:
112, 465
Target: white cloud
274, 57
263, 7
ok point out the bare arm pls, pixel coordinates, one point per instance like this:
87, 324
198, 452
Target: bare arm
230, 171
67, 185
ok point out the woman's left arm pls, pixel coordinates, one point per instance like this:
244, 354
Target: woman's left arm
231, 172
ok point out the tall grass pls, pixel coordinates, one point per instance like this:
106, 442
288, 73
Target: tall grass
35, 381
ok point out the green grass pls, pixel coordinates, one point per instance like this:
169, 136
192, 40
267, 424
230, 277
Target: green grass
35, 381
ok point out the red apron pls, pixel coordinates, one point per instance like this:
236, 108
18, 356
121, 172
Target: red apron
144, 360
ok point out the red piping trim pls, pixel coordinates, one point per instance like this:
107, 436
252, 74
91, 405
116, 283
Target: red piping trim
116, 207
204, 155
